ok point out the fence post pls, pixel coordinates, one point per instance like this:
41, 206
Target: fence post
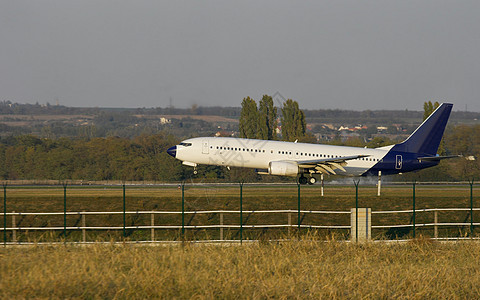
322, 184
84, 231
14, 225
299, 220
435, 221
356, 209
379, 183
414, 182
241, 212
471, 206
152, 223
124, 208
183, 210
4, 214
221, 226
65, 212
289, 223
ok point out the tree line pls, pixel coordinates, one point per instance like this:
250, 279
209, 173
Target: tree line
113, 158
145, 158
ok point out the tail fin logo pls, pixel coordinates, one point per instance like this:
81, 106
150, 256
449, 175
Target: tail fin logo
398, 162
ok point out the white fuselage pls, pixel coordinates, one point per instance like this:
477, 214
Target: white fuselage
252, 153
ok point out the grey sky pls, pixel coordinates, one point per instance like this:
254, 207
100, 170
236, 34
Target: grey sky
324, 54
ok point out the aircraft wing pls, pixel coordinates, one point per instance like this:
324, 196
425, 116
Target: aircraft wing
328, 165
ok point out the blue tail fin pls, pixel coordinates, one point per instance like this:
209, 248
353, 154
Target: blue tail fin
426, 138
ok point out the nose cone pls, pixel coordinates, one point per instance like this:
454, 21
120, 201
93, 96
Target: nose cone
172, 151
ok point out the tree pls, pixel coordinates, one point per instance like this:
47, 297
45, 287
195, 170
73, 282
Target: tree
248, 119
428, 109
293, 121
379, 141
267, 119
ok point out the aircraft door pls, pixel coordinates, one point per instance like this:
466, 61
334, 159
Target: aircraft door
205, 147
398, 162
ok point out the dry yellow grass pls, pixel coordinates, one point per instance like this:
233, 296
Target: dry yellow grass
304, 269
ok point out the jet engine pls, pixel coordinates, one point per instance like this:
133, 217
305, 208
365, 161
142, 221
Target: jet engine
282, 168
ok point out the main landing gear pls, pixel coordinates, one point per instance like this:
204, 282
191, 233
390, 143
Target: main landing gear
304, 180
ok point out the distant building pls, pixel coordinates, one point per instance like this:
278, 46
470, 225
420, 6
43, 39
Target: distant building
329, 126
224, 133
346, 128
164, 121
347, 134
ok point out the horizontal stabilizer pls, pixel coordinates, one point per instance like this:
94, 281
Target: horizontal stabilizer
437, 158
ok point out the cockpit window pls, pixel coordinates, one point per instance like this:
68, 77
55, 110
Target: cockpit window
185, 144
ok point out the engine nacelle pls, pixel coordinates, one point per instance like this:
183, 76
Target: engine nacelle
283, 168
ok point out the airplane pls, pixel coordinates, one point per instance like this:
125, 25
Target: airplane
418, 151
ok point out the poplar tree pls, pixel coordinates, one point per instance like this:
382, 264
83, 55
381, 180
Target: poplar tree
293, 121
267, 119
248, 119
428, 109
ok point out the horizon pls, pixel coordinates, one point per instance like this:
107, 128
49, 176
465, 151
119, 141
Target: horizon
220, 106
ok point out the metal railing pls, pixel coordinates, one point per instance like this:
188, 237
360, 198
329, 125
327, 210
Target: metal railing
435, 224
14, 229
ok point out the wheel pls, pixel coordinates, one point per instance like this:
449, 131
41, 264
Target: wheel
302, 180
312, 180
